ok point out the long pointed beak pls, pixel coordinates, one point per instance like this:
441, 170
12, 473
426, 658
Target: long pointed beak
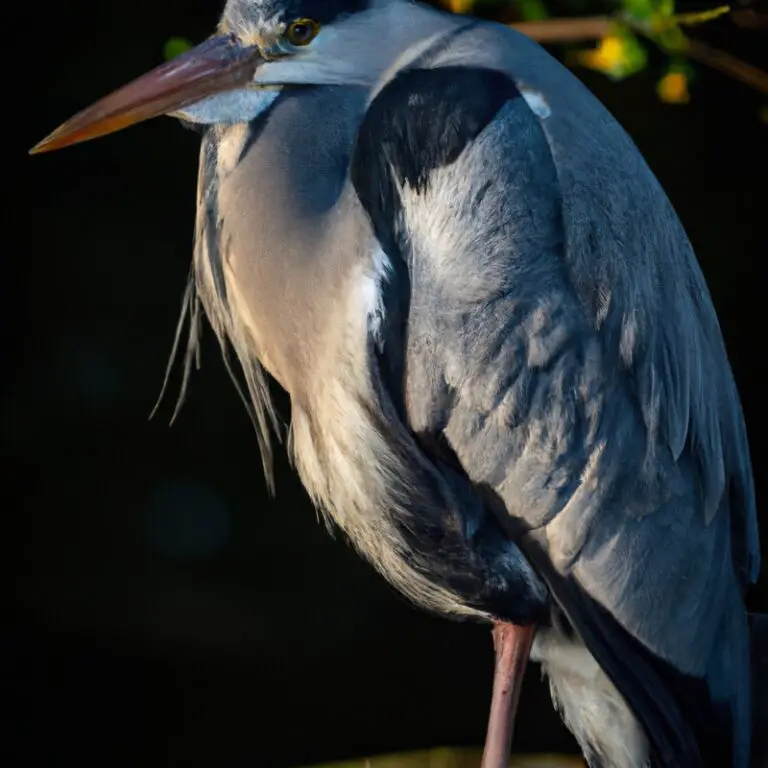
219, 64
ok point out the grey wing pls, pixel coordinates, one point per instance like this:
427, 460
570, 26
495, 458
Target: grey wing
562, 340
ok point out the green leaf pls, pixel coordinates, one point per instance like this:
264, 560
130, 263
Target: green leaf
533, 10
175, 46
642, 10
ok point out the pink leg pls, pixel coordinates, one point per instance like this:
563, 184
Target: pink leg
513, 644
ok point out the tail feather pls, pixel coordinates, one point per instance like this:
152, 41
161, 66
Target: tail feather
758, 631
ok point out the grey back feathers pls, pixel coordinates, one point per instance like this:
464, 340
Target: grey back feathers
573, 334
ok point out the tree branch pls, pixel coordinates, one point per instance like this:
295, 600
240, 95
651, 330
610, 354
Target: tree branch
596, 27
565, 30
730, 65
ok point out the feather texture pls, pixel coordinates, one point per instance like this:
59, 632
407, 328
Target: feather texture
562, 340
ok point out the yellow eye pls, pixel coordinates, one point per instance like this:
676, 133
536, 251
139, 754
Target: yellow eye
302, 31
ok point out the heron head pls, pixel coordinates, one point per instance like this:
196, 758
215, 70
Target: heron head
261, 47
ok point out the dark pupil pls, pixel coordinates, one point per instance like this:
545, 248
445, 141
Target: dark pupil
301, 31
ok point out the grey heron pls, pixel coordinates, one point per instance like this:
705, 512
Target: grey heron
508, 384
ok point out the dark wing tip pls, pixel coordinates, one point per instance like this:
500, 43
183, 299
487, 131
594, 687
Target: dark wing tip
685, 726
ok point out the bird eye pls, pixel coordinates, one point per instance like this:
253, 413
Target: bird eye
302, 31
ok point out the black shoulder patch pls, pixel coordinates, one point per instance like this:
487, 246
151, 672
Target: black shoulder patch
424, 118
420, 121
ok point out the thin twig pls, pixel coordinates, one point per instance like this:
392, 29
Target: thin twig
565, 30
750, 19
730, 65
595, 27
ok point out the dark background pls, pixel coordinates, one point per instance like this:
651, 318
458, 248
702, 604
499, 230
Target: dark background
161, 609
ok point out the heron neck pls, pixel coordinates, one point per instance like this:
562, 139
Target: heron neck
278, 183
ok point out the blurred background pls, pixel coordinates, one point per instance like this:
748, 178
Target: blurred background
161, 609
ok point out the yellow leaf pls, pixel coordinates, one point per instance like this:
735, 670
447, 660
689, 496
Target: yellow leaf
618, 55
608, 55
460, 6
673, 88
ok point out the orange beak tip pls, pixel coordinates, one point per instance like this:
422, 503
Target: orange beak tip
41, 146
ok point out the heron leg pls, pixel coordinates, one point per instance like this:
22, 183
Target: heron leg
513, 645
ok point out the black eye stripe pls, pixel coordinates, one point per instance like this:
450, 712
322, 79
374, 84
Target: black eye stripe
322, 11
325, 11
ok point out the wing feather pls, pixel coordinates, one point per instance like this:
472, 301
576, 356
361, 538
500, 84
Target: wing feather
562, 340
